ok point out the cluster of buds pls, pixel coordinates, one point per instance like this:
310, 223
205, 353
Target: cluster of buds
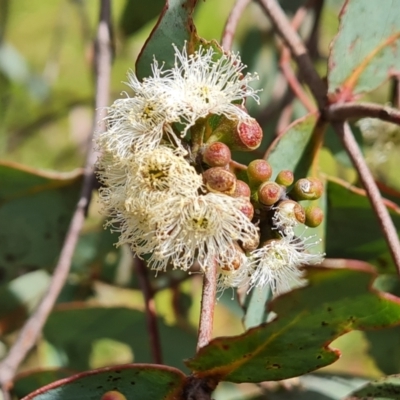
170, 188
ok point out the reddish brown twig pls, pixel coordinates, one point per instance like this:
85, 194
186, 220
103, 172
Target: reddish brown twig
386, 223
297, 48
343, 111
232, 22
151, 316
207, 306
33, 327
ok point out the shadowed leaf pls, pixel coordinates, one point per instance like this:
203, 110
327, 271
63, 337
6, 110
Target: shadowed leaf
387, 388
135, 381
35, 211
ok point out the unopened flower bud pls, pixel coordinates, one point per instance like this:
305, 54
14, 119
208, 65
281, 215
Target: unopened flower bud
236, 263
307, 189
258, 171
243, 135
242, 189
250, 135
285, 178
248, 210
289, 209
113, 395
269, 193
314, 216
217, 154
218, 179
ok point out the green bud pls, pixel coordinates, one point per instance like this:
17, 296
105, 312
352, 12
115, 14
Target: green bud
217, 154
314, 216
307, 189
258, 171
113, 395
218, 179
285, 178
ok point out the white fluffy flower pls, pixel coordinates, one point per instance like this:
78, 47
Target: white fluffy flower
200, 227
161, 170
140, 122
209, 83
278, 263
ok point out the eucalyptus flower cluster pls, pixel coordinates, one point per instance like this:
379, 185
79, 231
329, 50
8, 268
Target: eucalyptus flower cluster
168, 184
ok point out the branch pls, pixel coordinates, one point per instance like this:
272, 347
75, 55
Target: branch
232, 22
33, 327
386, 223
297, 48
340, 112
207, 306
151, 316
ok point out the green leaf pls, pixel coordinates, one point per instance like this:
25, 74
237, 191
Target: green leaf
366, 51
174, 26
27, 382
295, 148
125, 325
353, 230
19, 297
387, 388
35, 211
385, 344
296, 342
134, 18
134, 381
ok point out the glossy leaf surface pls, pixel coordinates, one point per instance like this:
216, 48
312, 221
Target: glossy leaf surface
296, 342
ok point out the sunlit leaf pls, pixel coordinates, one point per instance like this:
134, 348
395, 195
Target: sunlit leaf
366, 51
296, 342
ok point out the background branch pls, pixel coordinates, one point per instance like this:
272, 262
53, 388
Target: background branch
340, 112
33, 327
151, 315
385, 221
232, 22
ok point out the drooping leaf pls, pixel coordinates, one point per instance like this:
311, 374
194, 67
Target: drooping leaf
366, 50
35, 211
174, 26
296, 342
134, 381
19, 297
387, 388
353, 230
122, 324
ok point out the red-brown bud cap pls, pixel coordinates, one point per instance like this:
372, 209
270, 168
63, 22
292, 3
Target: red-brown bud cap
248, 210
314, 216
269, 193
218, 179
217, 154
242, 189
307, 189
250, 134
258, 171
285, 178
